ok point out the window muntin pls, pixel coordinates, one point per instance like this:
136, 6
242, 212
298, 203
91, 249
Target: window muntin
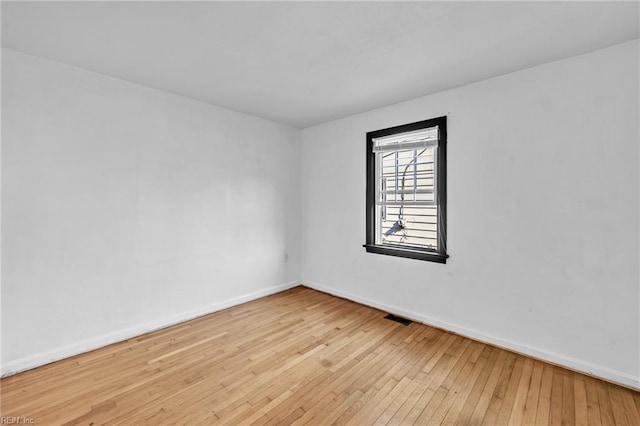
406, 191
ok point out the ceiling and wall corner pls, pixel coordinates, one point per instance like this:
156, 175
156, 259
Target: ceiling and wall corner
305, 63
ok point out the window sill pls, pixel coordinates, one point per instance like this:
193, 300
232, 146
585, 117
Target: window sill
407, 253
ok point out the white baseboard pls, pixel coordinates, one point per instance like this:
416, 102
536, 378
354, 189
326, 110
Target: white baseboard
37, 360
581, 366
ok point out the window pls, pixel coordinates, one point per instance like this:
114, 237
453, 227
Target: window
407, 190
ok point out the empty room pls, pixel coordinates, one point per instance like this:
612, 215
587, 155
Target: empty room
360, 213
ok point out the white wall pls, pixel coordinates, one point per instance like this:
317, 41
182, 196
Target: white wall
542, 214
127, 208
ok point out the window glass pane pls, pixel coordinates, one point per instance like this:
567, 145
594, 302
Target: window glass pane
407, 183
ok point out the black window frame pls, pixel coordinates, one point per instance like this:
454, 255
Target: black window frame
440, 255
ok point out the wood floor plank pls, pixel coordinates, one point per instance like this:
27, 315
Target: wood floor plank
463, 415
450, 407
437, 409
493, 408
555, 414
580, 392
423, 380
305, 357
630, 409
517, 409
347, 416
506, 408
593, 407
544, 399
568, 399
436, 375
606, 409
617, 406
531, 405
487, 393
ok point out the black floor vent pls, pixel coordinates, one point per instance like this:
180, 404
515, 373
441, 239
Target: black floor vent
401, 320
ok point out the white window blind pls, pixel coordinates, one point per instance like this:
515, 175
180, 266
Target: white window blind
422, 138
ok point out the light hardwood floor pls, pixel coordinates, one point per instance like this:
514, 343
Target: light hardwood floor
304, 357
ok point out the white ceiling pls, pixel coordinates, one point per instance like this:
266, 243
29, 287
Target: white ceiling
310, 62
